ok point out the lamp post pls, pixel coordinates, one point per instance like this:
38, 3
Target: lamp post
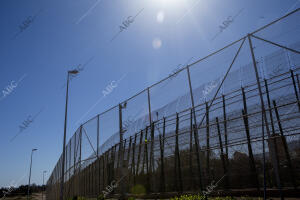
64, 142
122, 171
30, 173
43, 185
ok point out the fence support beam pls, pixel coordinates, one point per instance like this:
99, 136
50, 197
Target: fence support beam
103, 170
286, 150
271, 144
269, 106
222, 154
298, 82
225, 76
295, 88
250, 152
98, 146
275, 44
225, 127
139, 154
162, 172
149, 106
195, 129
133, 159
80, 175
74, 164
128, 158
207, 143
152, 154
121, 150
147, 161
177, 156
198, 156
191, 151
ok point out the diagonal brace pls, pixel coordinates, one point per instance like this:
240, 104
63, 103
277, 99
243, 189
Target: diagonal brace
225, 76
90, 141
278, 45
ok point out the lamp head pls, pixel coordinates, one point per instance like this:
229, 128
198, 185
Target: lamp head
73, 71
34, 149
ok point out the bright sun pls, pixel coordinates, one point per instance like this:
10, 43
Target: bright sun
169, 3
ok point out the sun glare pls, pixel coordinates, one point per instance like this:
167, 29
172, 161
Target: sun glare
169, 3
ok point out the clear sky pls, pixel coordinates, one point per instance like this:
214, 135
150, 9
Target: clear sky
37, 51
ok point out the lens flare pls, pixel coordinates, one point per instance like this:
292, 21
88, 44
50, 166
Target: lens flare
160, 17
156, 43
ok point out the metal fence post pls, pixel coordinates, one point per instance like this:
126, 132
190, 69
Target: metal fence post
251, 158
191, 151
74, 164
247, 130
128, 158
98, 158
149, 106
195, 129
177, 154
103, 170
146, 161
133, 159
162, 172
295, 88
70, 164
198, 157
285, 146
121, 151
222, 154
80, 175
207, 142
139, 154
225, 127
152, 155
264, 156
269, 106
298, 82
271, 144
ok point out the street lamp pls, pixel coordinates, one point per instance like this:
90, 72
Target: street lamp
43, 185
64, 143
122, 106
30, 173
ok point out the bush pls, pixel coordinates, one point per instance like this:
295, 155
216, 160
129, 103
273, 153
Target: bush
100, 197
138, 189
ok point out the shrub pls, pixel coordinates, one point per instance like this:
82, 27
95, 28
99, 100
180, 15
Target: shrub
100, 197
138, 189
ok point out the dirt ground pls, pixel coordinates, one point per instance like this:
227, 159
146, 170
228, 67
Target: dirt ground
35, 196
38, 196
238, 198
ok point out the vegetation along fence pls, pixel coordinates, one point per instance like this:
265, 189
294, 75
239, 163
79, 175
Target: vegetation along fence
230, 118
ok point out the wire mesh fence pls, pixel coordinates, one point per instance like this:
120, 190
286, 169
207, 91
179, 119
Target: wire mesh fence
233, 114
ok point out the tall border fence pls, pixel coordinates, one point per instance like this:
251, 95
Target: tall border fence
231, 119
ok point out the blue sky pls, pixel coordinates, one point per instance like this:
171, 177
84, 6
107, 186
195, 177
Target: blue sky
65, 34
